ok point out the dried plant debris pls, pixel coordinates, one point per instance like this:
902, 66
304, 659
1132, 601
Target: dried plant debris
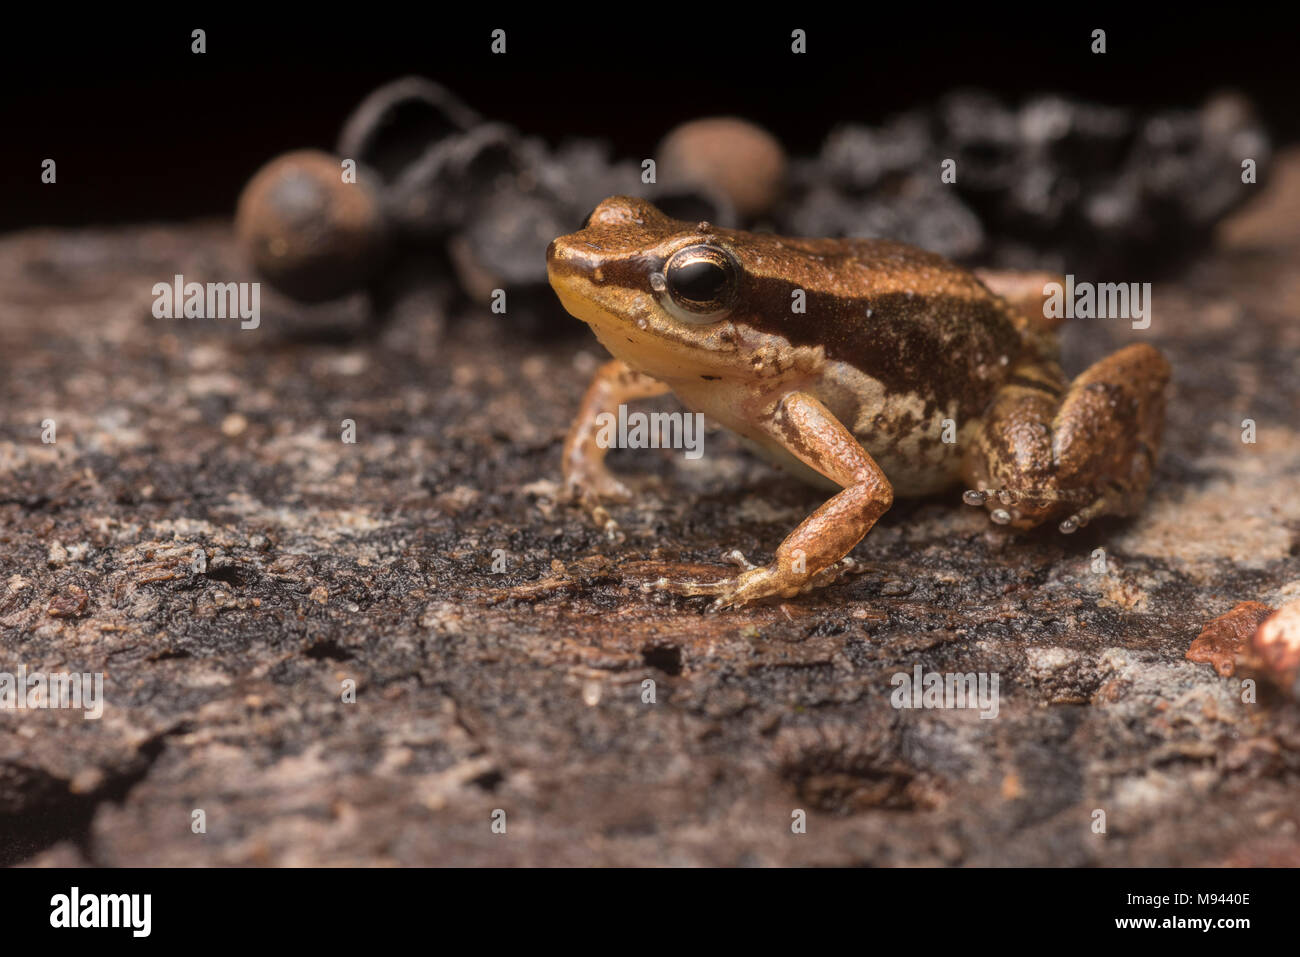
1223, 638
1047, 184
1256, 638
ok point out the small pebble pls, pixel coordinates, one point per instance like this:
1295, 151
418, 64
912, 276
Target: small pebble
736, 157
233, 425
311, 235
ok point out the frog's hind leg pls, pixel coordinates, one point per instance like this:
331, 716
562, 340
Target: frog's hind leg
1074, 451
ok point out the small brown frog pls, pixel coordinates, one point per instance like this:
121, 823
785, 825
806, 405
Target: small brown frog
867, 366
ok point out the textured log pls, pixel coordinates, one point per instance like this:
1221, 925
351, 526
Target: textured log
321, 562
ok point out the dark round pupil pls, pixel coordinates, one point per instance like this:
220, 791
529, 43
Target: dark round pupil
699, 281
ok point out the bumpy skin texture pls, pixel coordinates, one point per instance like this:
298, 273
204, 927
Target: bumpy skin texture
1082, 449
863, 365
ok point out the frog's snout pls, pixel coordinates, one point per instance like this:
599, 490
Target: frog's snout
553, 259
566, 258
554, 254
567, 271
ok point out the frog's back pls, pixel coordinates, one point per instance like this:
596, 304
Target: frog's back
909, 318
911, 340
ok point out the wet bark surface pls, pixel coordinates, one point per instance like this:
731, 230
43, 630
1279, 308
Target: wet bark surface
399, 562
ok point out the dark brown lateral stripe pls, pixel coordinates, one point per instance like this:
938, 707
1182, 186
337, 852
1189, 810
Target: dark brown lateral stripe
929, 345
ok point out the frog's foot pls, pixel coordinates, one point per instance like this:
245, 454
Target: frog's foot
1106, 505
1034, 504
1070, 452
755, 582
591, 488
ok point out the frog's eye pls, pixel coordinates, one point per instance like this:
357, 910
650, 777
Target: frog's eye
701, 280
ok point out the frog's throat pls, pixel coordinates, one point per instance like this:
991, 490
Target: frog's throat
643, 349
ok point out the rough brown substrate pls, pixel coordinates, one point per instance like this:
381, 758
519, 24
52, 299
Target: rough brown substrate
327, 561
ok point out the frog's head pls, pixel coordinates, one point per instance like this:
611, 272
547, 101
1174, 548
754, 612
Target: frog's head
657, 292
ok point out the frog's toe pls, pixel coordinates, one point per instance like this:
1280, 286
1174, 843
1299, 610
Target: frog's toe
1026, 508
723, 603
732, 590
605, 522
754, 583
678, 578
993, 500
757, 582
1105, 505
592, 493
728, 590
597, 486
691, 587
737, 557
770, 581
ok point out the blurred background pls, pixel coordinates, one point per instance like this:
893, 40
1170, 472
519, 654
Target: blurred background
147, 131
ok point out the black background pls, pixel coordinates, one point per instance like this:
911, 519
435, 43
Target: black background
142, 129
894, 910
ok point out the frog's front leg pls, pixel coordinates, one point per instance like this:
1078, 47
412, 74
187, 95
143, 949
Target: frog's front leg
1049, 449
807, 558
586, 479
